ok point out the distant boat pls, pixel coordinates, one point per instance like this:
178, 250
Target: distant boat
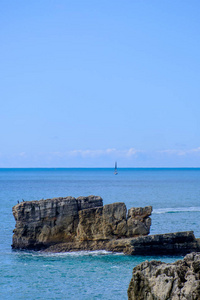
115, 169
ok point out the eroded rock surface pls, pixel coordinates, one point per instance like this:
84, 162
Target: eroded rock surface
177, 243
80, 223
156, 280
111, 221
44, 222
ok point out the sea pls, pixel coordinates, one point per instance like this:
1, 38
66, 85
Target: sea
173, 193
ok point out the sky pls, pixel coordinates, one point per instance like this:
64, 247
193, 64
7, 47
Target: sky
88, 83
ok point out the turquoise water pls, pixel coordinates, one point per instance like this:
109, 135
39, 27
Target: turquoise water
173, 193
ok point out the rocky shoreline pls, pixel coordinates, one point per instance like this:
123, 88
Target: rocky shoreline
83, 223
156, 280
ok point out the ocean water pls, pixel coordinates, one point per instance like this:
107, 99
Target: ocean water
173, 193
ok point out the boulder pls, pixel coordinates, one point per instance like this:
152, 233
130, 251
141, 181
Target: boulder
156, 280
138, 221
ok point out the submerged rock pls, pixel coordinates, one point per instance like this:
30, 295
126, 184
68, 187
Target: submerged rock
78, 223
156, 280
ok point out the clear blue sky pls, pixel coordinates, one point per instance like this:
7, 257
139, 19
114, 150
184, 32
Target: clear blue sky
85, 83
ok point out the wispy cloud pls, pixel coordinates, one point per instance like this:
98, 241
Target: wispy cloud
180, 152
130, 157
195, 150
112, 152
108, 152
172, 152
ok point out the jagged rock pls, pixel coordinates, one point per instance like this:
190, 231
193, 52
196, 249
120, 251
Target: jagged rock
138, 221
89, 202
41, 224
156, 280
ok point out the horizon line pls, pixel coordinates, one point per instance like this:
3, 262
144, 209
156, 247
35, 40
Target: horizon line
99, 167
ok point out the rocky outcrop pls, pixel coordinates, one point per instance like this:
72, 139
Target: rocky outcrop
178, 243
174, 244
83, 223
76, 223
156, 280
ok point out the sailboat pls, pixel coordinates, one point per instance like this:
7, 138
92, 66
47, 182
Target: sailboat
115, 169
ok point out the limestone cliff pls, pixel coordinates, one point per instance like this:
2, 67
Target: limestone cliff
76, 222
156, 280
45, 222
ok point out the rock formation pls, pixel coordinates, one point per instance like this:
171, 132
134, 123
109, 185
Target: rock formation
111, 221
70, 224
156, 280
75, 224
178, 243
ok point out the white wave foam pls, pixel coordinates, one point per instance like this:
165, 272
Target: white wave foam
74, 253
64, 254
176, 210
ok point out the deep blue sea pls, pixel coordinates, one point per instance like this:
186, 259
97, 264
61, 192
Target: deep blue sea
173, 193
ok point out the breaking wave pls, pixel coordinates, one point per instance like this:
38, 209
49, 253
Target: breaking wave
176, 210
30, 253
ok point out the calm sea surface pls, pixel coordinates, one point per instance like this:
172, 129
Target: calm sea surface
173, 193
